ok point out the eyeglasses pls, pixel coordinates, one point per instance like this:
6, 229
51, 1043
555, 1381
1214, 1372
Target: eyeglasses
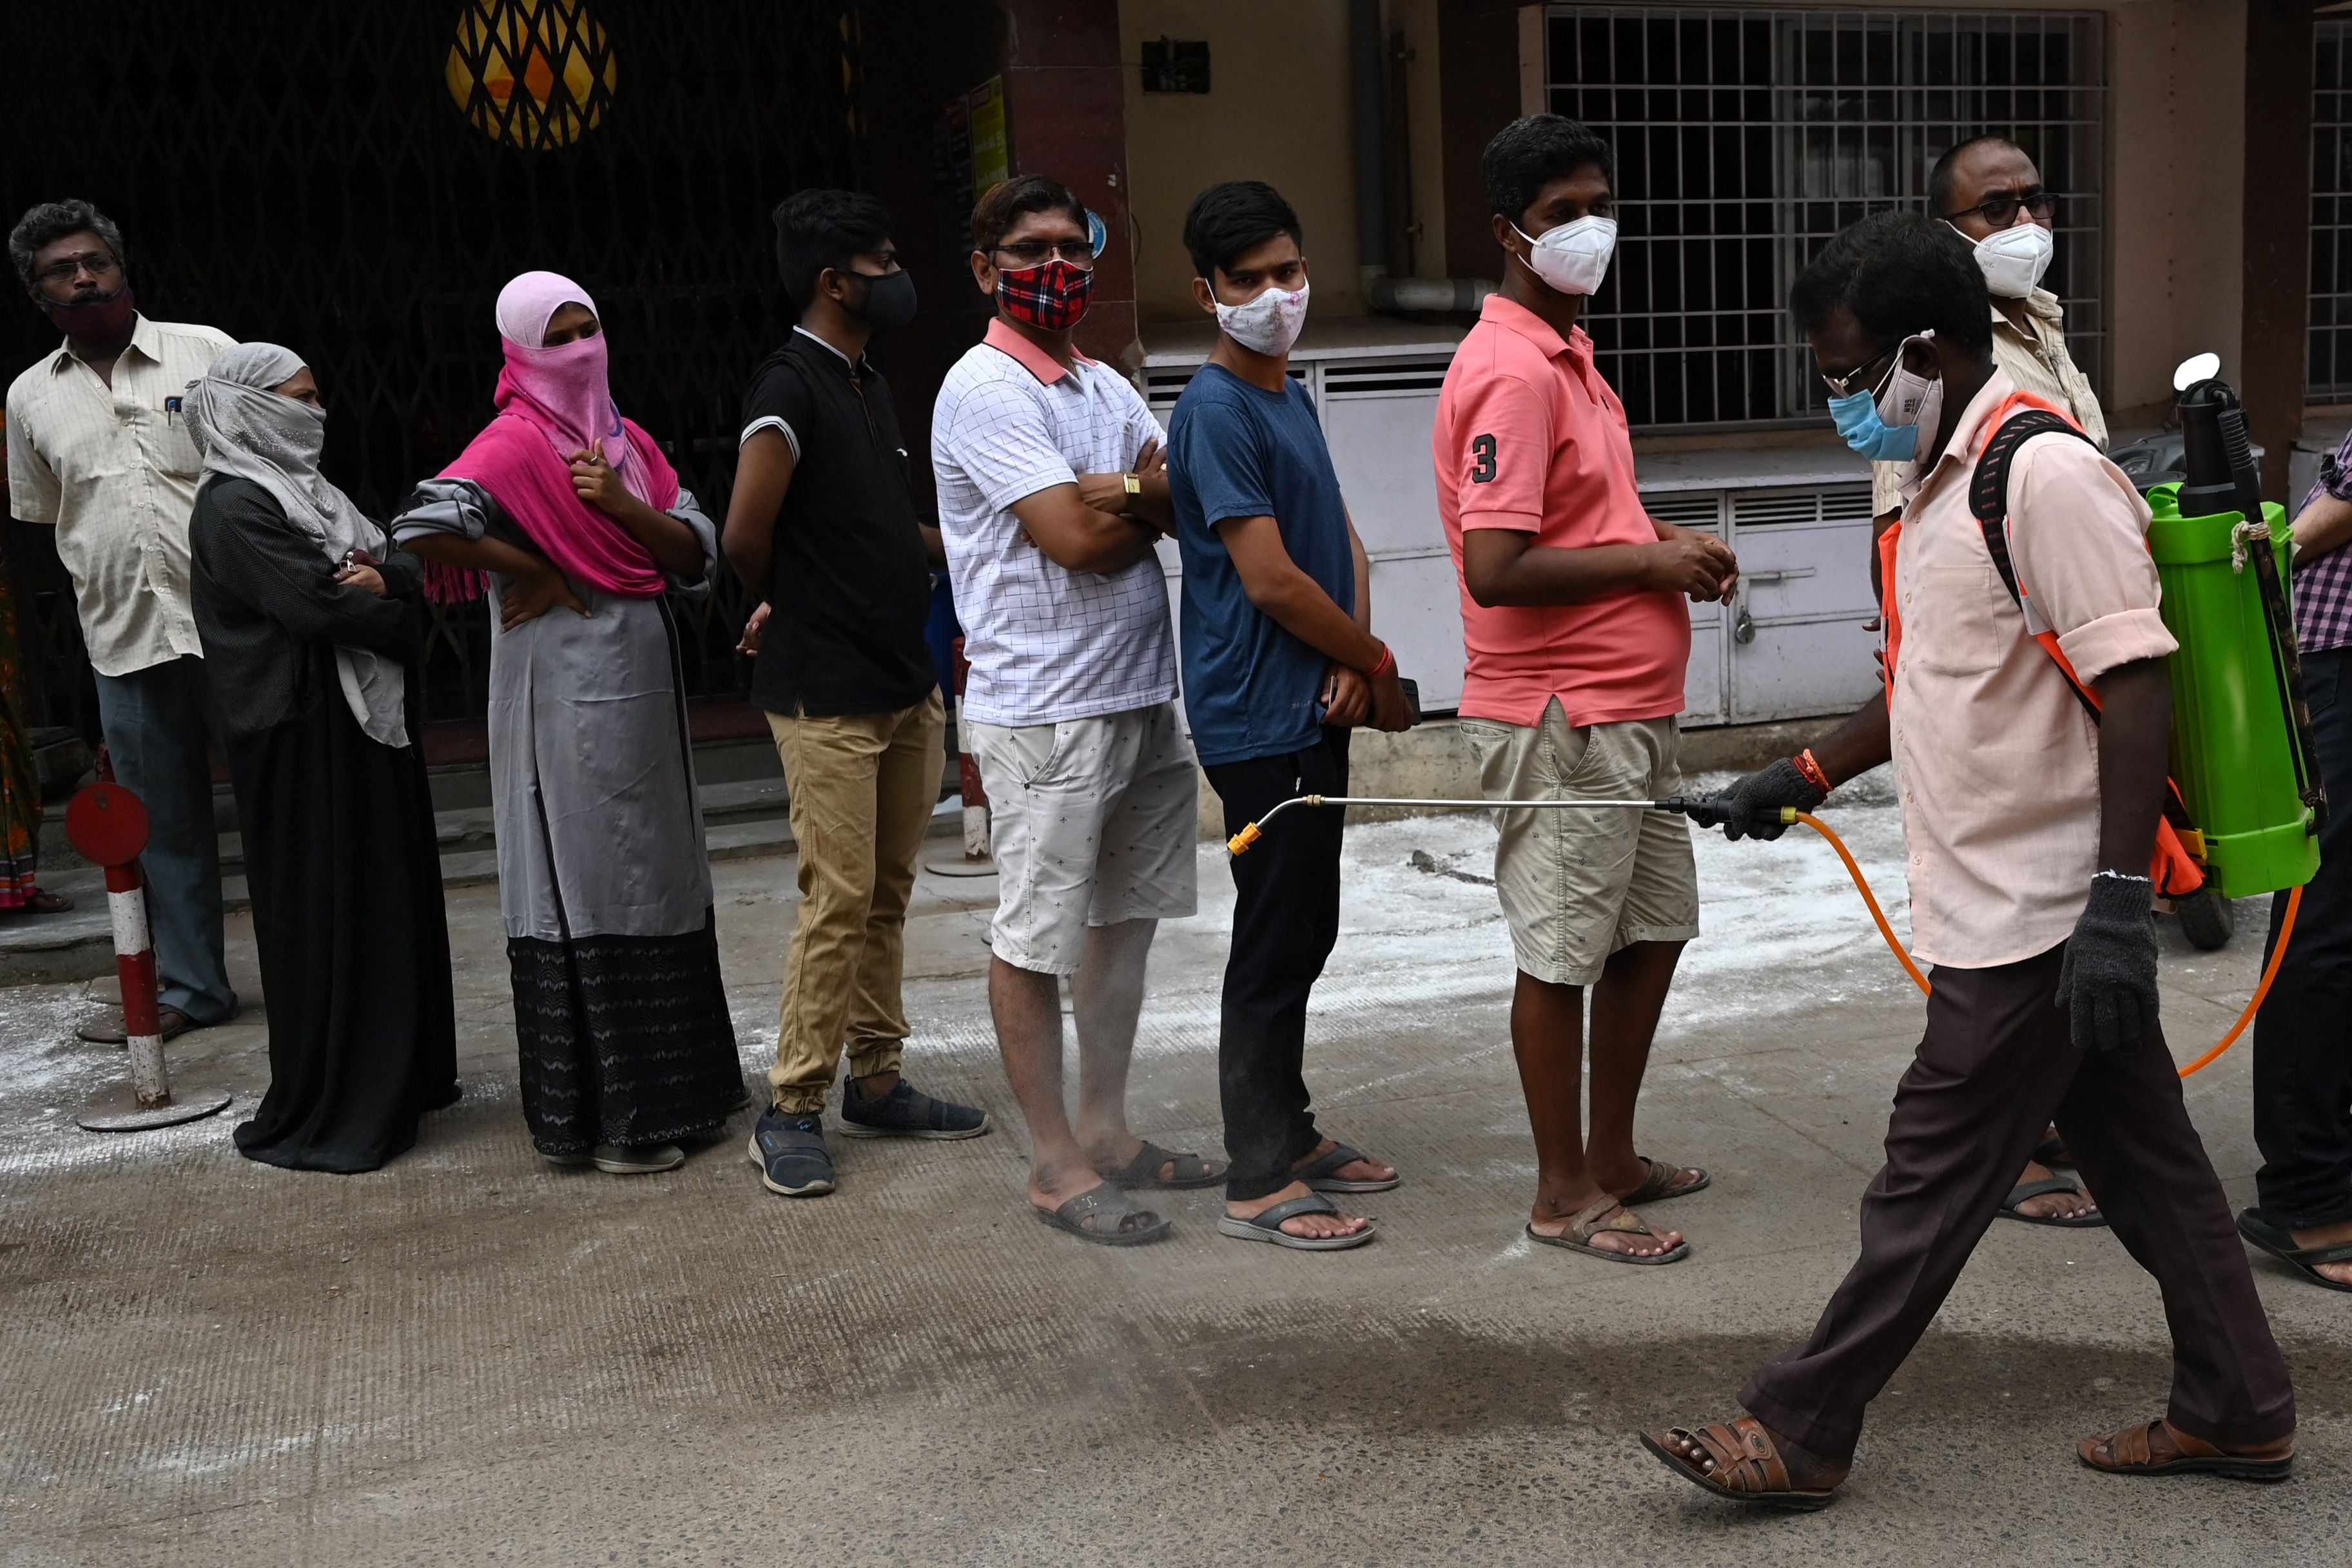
96, 263
2001, 211
1859, 379
1036, 252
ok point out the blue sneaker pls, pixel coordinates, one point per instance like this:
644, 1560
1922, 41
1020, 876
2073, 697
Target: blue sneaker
790, 1152
907, 1112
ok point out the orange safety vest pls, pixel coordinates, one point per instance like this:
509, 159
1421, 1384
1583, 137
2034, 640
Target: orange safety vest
2175, 871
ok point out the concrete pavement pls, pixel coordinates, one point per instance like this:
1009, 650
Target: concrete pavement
474, 1357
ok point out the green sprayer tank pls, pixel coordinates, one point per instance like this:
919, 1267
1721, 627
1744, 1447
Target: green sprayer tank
2238, 753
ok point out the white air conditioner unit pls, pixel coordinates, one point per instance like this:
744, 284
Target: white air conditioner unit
1795, 641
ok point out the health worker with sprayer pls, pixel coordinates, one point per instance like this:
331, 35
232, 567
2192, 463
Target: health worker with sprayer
2031, 811
1992, 196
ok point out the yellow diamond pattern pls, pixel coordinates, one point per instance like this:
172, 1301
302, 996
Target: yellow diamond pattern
539, 74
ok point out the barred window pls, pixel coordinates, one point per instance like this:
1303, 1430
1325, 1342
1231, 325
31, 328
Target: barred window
2328, 374
1745, 138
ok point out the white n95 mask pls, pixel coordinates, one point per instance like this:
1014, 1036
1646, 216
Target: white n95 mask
1269, 323
1905, 395
2013, 260
1574, 257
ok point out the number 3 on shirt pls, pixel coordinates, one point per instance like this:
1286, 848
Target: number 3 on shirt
1482, 452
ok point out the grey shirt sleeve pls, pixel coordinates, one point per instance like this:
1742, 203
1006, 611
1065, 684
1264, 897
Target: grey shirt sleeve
458, 508
706, 533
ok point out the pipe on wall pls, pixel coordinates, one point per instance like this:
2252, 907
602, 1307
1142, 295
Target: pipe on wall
1367, 108
1367, 105
1437, 294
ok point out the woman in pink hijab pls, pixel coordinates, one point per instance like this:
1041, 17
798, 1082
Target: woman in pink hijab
582, 532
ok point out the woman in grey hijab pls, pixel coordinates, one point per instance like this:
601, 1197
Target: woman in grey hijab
311, 626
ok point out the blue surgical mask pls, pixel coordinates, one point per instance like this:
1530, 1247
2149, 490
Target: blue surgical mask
1883, 424
1858, 420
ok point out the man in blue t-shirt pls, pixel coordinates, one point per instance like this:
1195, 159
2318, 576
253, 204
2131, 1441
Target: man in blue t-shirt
1278, 663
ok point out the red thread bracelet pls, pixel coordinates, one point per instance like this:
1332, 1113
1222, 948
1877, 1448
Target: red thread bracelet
1388, 662
1812, 769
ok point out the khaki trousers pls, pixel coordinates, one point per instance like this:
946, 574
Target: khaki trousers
863, 787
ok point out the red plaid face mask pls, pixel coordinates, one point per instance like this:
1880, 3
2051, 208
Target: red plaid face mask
1051, 296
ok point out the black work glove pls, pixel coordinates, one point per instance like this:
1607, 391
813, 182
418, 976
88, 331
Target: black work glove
1751, 807
2108, 977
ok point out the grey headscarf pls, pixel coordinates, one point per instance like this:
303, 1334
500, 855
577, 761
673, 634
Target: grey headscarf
248, 432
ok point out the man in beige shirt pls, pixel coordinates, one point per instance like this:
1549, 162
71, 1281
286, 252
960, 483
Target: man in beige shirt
1990, 191
2029, 830
98, 449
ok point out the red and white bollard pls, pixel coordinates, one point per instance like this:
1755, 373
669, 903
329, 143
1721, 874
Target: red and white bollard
976, 860
108, 824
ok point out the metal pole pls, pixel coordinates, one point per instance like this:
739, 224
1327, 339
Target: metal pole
108, 823
134, 970
1251, 832
976, 860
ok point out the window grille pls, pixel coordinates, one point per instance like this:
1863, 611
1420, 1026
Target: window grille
1746, 137
340, 201
2328, 359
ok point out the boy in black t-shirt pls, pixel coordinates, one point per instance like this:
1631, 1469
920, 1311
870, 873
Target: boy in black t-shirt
823, 526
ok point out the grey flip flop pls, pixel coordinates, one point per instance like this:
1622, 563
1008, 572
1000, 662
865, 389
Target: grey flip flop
1318, 1174
1143, 1171
2279, 1242
2031, 1189
1267, 1227
1108, 1208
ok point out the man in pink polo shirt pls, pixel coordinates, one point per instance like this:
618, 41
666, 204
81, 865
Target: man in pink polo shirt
1572, 612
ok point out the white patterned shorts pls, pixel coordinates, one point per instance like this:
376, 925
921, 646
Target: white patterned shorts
1093, 821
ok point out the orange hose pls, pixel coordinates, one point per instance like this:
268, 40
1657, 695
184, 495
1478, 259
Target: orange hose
2270, 973
1862, 885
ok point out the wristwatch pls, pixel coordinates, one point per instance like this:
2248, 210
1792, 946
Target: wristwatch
1134, 483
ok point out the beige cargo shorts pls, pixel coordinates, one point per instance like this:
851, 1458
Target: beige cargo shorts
1577, 886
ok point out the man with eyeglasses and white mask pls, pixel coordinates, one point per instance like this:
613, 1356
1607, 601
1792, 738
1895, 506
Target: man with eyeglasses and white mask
1988, 190
1991, 195
1578, 637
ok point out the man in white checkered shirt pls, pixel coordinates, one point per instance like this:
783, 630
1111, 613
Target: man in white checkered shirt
1052, 495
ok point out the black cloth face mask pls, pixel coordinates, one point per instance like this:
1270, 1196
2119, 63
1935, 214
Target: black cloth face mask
889, 301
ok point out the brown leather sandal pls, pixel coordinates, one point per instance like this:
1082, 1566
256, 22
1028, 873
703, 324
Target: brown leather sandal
1658, 1184
2131, 1451
1605, 1213
1747, 1467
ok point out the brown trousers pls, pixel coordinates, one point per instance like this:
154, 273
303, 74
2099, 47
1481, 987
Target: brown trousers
1996, 1065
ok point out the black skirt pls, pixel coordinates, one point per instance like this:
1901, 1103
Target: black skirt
624, 1039
355, 943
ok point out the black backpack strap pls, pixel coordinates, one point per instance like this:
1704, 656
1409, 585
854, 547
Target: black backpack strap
1989, 501
1989, 489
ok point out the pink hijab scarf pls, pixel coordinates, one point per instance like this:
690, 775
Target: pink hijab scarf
554, 402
